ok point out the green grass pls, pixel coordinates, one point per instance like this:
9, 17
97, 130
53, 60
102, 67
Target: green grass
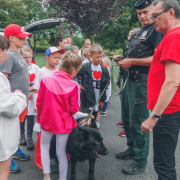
115, 74
39, 60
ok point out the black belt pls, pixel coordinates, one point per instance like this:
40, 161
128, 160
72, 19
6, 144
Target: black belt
140, 70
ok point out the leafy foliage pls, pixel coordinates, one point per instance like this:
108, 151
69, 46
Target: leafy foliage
78, 41
13, 12
113, 33
87, 14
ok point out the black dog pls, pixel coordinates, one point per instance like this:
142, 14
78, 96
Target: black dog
85, 143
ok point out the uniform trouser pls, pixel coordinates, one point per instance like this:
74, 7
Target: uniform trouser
165, 137
134, 112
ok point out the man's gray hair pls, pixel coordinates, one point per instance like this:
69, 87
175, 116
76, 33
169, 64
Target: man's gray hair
168, 4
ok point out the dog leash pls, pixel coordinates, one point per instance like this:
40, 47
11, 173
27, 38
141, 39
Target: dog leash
96, 103
89, 116
123, 84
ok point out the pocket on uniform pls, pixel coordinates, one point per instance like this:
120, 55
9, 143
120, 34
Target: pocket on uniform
141, 90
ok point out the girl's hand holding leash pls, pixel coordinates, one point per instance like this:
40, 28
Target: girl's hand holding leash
89, 121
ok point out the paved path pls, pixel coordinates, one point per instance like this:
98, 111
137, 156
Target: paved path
107, 167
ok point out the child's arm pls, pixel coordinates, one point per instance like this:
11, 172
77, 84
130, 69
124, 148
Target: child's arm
36, 87
40, 100
35, 95
11, 104
74, 100
30, 96
31, 88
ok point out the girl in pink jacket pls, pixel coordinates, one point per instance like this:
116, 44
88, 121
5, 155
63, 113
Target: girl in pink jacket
58, 100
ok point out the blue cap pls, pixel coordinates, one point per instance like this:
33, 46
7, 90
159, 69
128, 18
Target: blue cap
53, 49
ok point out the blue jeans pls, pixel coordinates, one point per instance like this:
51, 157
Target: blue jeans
165, 137
105, 106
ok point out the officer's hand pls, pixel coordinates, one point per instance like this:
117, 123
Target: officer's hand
115, 57
148, 124
126, 63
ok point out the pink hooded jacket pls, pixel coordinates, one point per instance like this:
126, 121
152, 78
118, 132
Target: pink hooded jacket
58, 100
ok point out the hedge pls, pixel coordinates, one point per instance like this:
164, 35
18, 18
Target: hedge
41, 49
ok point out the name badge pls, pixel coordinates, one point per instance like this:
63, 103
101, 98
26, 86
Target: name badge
143, 35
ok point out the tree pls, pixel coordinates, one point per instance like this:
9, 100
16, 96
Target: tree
113, 33
36, 10
13, 12
87, 14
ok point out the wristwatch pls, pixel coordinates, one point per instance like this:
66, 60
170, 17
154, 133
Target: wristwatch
152, 114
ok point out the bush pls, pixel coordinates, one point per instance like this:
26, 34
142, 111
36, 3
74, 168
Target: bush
41, 49
78, 41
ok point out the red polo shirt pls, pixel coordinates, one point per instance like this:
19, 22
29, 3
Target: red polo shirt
169, 48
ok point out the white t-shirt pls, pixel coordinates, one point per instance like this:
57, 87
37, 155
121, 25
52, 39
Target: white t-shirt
79, 115
33, 72
96, 75
41, 73
80, 53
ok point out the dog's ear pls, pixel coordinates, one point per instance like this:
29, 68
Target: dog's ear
83, 133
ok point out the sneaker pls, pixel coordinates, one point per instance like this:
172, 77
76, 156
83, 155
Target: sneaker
104, 114
125, 155
97, 124
30, 145
132, 169
54, 166
120, 124
14, 168
20, 155
123, 134
48, 179
22, 140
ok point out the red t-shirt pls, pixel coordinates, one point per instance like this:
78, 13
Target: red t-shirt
169, 48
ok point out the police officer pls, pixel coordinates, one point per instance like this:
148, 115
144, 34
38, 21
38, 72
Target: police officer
137, 59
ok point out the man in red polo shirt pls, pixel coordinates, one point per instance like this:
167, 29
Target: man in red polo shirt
164, 90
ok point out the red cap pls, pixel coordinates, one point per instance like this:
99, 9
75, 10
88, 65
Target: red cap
15, 30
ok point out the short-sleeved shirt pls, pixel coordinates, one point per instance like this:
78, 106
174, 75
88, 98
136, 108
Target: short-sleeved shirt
18, 72
169, 48
33, 71
41, 73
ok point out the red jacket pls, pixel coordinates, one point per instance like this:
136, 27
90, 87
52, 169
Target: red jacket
58, 100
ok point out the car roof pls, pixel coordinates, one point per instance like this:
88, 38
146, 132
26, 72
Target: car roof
43, 24
1, 30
